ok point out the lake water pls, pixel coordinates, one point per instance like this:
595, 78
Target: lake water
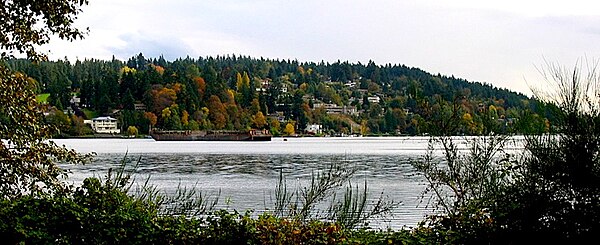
246, 173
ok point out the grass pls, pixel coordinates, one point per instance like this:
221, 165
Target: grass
90, 114
42, 98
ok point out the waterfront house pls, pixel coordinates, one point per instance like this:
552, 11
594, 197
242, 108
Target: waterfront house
314, 129
105, 125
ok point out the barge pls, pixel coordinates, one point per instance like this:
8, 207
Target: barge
210, 135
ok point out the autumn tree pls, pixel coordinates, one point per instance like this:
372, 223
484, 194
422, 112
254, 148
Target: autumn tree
78, 127
170, 118
202, 118
217, 112
259, 121
289, 129
246, 91
201, 85
152, 118
239, 83
275, 126
132, 131
162, 97
255, 106
469, 125
364, 128
185, 118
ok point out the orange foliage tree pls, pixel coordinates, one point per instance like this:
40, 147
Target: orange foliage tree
162, 97
217, 112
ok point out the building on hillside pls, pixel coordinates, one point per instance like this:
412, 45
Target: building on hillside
265, 84
335, 109
374, 99
75, 101
279, 115
105, 125
139, 106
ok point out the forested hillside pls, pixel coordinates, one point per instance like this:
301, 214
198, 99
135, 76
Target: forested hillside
235, 92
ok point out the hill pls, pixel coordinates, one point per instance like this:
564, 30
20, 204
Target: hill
229, 92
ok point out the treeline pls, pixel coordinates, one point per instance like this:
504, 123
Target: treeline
237, 92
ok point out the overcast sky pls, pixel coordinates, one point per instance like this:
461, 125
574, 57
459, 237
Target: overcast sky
500, 43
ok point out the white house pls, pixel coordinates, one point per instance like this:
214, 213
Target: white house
75, 101
374, 99
314, 129
105, 125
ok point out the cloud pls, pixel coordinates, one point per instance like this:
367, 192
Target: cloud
151, 46
529, 8
493, 42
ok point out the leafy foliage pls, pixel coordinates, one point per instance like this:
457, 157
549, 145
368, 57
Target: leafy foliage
28, 24
27, 160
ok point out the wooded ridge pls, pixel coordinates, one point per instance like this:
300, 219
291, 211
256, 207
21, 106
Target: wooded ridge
285, 96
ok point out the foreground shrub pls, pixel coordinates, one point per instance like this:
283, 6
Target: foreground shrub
551, 194
94, 214
273, 230
418, 235
102, 213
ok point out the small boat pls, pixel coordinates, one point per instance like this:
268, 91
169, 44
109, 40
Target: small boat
210, 135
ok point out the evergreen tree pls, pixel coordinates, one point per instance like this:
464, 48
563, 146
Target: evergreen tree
128, 101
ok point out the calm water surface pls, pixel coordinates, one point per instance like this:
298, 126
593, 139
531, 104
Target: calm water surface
246, 173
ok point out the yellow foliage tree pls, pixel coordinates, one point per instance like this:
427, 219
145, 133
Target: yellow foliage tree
364, 127
255, 106
246, 80
303, 86
289, 129
238, 81
230, 98
493, 112
275, 124
470, 124
259, 120
126, 69
132, 131
185, 118
165, 113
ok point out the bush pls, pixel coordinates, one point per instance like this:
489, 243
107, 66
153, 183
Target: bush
103, 213
273, 230
557, 197
550, 195
93, 214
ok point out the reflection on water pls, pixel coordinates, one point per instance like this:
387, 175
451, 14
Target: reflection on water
246, 173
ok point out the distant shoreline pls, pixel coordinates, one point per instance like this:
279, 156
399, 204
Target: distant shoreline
100, 136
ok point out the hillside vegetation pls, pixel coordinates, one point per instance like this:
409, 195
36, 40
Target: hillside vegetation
236, 92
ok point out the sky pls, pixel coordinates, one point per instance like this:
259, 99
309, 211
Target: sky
502, 43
